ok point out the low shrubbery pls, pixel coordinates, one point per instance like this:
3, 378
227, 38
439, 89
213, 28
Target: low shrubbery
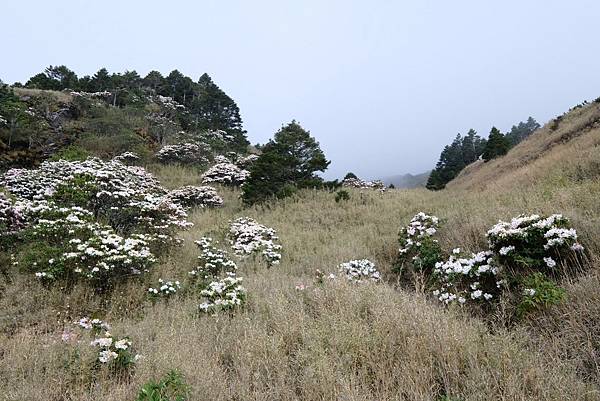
185, 153
360, 271
192, 196
526, 257
224, 294
249, 237
226, 174
213, 262
171, 387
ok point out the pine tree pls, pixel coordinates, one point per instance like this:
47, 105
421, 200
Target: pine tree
288, 162
497, 145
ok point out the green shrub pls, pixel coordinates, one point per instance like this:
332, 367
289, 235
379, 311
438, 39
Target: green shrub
539, 292
71, 153
342, 195
171, 387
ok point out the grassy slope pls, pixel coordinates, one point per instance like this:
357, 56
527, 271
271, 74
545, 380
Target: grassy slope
339, 341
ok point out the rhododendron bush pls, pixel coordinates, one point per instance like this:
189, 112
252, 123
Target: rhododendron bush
525, 258
226, 174
214, 262
192, 196
92, 219
360, 271
185, 153
419, 251
223, 295
249, 237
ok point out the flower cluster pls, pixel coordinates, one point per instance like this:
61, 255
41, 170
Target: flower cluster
358, 183
11, 219
80, 247
533, 241
127, 158
249, 237
225, 173
128, 197
213, 261
462, 279
116, 352
167, 102
419, 251
95, 325
224, 294
218, 135
165, 289
192, 196
360, 270
245, 162
186, 153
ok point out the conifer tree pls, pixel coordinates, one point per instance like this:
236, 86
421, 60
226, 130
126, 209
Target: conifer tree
497, 145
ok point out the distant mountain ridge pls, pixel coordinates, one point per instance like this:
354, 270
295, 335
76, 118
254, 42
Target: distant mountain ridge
408, 180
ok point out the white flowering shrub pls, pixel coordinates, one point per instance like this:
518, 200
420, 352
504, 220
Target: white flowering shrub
419, 251
358, 183
360, 271
245, 162
165, 289
185, 153
94, 325
192, 196
534, 241
127, 197
226, 174
127, 158
464, 279
225, 294
11, 219
71, 245
213, 262
115, 353
249, 237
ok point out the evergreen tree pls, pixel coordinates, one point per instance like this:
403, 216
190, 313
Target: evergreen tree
521, 131
350, 175
455, 157
497, 145
215, 110
54, 78
288, 162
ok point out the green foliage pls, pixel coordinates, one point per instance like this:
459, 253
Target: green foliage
461, 152
171, 387
71, 153
521, 131
289, 160
342, 195
350, 175
539, 292
497, 145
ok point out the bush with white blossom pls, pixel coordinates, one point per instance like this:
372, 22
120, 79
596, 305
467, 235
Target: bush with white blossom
462, 279
92, 219
249, 237
193, 196
11, 219
419, 251
360, 270
225, 294
165, 289
537, 242
213, 262
185, 153
115, 353
361, 184
127, 158
226, 174
94, 325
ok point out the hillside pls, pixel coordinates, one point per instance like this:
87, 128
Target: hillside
407, 180
302, 335
566, 148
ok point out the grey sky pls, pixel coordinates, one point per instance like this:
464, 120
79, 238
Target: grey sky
383, 85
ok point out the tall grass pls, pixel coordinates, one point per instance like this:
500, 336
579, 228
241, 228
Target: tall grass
337, 340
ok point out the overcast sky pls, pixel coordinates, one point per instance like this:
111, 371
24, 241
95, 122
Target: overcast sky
382, 85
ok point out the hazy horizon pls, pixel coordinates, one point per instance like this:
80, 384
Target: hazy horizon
382, 86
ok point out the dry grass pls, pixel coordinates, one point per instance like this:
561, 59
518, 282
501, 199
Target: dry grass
337, 341
58, 96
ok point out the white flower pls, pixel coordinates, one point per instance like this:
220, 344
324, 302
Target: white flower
550, 262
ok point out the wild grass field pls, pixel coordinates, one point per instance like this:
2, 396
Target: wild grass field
337, 340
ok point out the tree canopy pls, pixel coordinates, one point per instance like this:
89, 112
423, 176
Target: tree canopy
288, 162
